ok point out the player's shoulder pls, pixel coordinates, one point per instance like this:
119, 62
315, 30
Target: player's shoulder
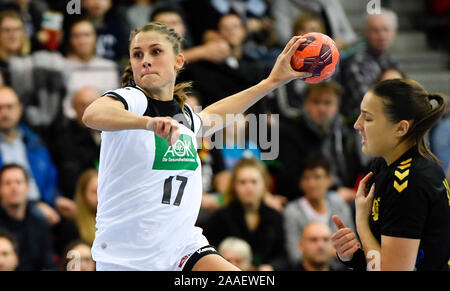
416, 171
124, 91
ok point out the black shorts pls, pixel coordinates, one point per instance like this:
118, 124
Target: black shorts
198, 254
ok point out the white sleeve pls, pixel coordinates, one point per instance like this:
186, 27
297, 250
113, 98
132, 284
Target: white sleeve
198, 123
133, 99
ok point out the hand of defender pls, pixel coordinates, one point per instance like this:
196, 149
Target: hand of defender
164, 127
344, 240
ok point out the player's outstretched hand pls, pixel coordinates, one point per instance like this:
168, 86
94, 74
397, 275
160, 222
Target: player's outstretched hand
282, 71
164, 127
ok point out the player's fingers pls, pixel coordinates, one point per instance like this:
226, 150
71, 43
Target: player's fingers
291, 43
363, 183
338, 222
174, 136
340, 233
165, 131
158, 127
371, 192
344, 239
295, 46
174, 133
349, 253
347, 246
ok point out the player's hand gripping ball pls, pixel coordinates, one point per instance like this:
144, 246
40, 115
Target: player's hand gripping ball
318, 56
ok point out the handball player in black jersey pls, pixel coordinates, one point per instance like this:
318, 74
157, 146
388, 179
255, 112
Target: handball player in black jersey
403, 222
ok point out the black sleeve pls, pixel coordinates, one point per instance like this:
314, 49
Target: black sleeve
117, 97
358, 262
406, 208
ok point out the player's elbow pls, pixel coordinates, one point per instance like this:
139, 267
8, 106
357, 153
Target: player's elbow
88, 117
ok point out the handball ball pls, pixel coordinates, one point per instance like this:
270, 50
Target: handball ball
317, 55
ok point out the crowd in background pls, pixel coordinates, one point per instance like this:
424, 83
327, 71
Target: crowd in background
260, 214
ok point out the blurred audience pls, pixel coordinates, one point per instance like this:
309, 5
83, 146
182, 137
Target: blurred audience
363, 70
238, 252
319, 203
391, 73
288, 99
315, 245
86, 200
76, 147
111, 27
246, 216
18, 144
237, 72
336, 22
9, 251
85, 68
78, 257
24, 220
13, 41
215, 50
320, 128
205, 14
139, 12
439, 137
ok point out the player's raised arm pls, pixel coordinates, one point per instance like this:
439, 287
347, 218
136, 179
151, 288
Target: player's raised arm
98, 116
281, 73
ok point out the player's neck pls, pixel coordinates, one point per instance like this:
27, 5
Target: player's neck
162, 94
397, 152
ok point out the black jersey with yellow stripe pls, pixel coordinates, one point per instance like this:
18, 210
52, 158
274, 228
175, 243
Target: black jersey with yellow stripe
412, 200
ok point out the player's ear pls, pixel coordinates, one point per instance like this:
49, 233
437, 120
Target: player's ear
179, 62
402, 128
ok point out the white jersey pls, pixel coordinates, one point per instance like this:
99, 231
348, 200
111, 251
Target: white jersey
149, 194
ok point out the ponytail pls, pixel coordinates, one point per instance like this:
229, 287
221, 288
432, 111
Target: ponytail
127, 77
407, 100
437, 109
181, 92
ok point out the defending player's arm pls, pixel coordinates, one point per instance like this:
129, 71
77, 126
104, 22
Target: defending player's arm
395, 252
281, 73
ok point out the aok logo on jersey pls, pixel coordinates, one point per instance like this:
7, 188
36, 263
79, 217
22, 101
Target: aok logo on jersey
180, 156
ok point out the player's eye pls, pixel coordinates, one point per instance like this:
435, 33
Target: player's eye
137, 55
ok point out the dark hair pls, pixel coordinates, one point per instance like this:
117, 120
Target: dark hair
168, 8
306, 17
232, 13
12, 239
313, 161
6, 167
406, 99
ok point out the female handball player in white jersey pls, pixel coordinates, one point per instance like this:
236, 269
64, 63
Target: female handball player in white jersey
149, 188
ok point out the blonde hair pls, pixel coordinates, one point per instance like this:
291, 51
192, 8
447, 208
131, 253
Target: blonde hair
237, 245
305, 17
231, 194
181, 89
85, 218
25, 46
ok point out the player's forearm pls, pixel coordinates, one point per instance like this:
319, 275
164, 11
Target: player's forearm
371, 247
239, 102
104, 117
